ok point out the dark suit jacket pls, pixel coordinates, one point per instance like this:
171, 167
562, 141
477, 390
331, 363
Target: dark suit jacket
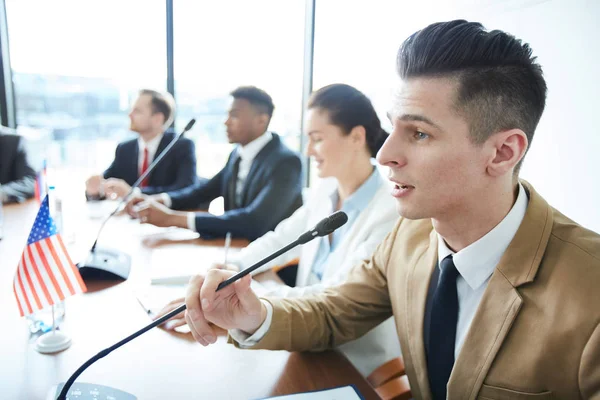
16, 175
176, 171
272, 192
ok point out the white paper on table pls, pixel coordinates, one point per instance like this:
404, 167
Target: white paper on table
340, 393
178, 263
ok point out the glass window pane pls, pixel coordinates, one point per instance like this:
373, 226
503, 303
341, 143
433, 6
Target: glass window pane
221, 45
76, 67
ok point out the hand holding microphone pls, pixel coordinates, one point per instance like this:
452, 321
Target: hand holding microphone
234, 307
220, 297
226, 299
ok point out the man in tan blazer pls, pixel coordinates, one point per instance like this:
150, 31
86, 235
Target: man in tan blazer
494, 292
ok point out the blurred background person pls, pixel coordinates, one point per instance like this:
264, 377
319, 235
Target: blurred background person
344, 134
151, 114
17, 177
261, 183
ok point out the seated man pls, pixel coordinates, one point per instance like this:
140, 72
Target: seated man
150, 115
261, 182
17, 178
494, 291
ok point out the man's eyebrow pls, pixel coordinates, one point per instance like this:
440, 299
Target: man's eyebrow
416, 117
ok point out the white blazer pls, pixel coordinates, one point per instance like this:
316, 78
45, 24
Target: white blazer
379, 345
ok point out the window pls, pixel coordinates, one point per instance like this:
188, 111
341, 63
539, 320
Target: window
76, 68
358, 47
219, 46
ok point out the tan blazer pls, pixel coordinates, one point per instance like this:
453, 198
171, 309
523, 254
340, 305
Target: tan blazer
535, 335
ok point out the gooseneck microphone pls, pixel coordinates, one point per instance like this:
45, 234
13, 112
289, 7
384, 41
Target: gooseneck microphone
137, 183
323, 228
107, 263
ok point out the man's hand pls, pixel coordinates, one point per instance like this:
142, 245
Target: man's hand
93, 185
234, 307
133, 203
151, 212
173, 322
228, 267
116, 188
134, 200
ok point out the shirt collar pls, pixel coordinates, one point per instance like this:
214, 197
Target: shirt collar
477, 262
359, 200
151, 145
251, 150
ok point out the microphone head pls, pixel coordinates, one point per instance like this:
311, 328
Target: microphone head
331, 223
189, 125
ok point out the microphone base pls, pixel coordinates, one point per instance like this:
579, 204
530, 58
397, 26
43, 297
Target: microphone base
89, 391
105, 264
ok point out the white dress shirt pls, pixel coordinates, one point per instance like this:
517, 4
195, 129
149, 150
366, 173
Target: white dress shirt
247, 154
475, 263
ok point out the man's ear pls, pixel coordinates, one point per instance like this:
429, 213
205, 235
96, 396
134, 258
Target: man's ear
264, 120
507, 149
159, 119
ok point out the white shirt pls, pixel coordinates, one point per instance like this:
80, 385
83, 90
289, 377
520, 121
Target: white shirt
247, 154
475, 263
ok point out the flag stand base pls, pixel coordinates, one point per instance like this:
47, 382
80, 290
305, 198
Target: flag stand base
52, 342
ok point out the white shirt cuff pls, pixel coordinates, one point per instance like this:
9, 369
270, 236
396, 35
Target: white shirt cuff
166, 199
246, 341
191, 221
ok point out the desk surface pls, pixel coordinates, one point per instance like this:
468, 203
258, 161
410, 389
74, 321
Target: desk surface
159, 364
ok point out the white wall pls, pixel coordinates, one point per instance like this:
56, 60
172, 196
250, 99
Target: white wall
562, 164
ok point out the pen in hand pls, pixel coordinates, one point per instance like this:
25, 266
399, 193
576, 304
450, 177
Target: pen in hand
227, 245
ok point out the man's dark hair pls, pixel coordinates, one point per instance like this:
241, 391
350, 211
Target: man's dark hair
161, 103
257, 97
501, 86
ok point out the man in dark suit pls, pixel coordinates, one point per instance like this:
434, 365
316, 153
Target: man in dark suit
150, 114
17, 178
261, 182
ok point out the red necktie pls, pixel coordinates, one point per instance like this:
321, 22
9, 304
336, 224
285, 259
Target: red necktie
144, 168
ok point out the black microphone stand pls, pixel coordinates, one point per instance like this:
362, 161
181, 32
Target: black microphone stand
106, 263
325, 227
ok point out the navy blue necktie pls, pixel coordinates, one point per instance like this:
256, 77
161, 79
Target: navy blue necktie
442, 330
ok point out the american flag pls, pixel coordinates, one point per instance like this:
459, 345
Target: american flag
46, 274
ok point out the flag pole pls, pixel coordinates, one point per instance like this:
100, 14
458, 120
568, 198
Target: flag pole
53, 321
